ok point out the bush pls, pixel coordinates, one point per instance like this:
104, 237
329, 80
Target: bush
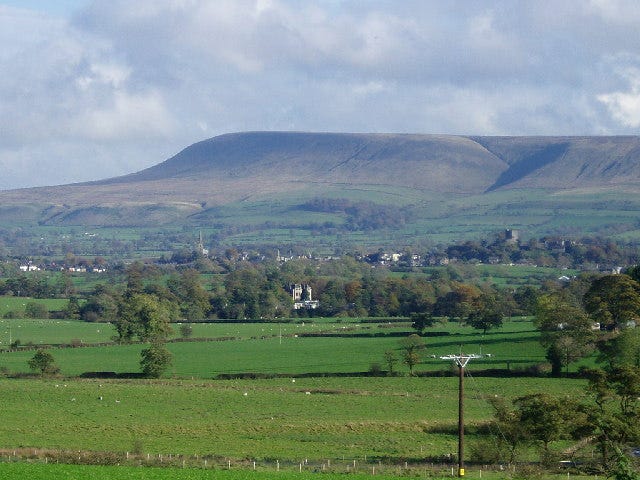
375, 369
43, 362
36, 310
155, 360
186, 330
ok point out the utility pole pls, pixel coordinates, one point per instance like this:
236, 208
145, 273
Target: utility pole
461, 361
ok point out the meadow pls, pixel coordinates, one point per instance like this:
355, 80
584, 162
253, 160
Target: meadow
302, 348
317, 404
66, 472
387, 419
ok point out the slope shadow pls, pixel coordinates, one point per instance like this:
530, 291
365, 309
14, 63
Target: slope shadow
530, 164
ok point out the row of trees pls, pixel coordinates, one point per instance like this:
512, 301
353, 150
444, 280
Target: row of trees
546, 251
37, 286
263, 292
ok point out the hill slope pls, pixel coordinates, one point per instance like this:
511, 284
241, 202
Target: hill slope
271, 159
289, 167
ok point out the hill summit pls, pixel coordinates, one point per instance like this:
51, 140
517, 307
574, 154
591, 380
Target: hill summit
261, 166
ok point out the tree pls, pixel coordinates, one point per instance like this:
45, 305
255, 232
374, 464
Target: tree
155, 360
36, 310
512, 434
186, 330
457, 303
43, 362
615, 424
566, 331
194, 299
613, 300
420, 321
101, 306
526, 298
72, 308
390, 359
541, 418
143, 315
411, 346
622, 349
487, 316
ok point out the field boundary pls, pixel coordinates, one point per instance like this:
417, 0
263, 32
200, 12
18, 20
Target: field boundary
437, 466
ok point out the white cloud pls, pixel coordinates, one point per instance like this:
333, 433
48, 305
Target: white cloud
624, 106
129, 116
617, 11
127, 84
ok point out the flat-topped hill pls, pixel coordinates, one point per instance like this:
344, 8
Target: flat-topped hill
267, 166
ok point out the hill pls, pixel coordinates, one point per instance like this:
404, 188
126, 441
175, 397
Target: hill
269, 173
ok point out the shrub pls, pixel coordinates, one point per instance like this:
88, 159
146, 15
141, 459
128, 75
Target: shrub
155, 360
186, 330
375, 369
43, 362
36, 310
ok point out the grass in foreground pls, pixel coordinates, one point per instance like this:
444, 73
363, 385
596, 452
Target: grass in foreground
315, 418
34, 471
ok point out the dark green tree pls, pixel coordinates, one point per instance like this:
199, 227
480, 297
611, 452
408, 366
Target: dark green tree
36, 310
421, 321
616, 418
512, 434
487, 315
155, 360
194, 300
144, 316
72, 308
542, 420
566, 331
526, 297
43, 362
622, 349
613, 300
102, 305
186, 330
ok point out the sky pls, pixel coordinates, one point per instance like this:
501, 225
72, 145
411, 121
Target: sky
96, 89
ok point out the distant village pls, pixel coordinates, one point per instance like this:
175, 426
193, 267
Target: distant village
506, 248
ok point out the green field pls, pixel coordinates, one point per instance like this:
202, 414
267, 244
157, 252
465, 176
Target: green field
272, 348
40, 471
324, 410
287, 419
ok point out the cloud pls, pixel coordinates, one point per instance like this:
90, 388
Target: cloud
127, 84
624, 106
129, 116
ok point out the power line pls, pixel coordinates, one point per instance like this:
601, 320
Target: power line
461, 361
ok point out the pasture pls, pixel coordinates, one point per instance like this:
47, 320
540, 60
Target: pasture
323, 409
320, 347
35, 471
383, 419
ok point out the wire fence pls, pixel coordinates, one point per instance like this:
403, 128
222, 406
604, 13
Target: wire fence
213, 462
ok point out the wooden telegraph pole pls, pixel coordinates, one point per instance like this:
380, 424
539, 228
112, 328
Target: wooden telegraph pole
461, 361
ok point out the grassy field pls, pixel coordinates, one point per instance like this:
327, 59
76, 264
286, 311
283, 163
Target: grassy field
387, 419
66, 472
18, 304
347, 347
324, 410
534, 212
